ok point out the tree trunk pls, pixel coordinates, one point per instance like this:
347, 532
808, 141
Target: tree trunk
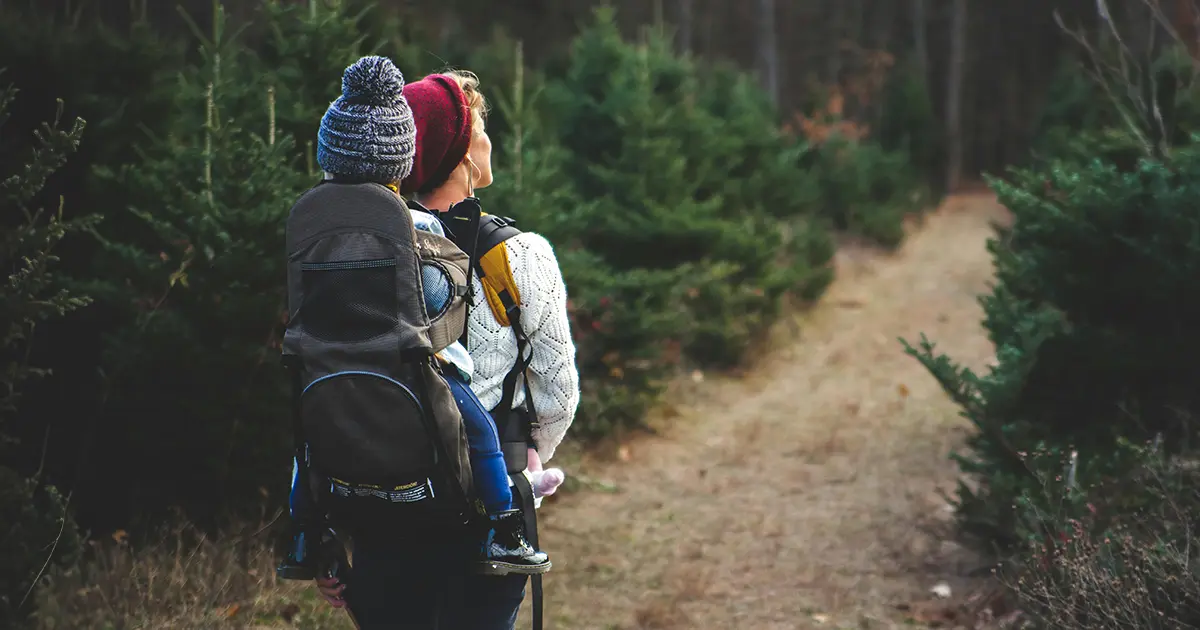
685, 27
954, 94
768, 50
920, 39
836, 30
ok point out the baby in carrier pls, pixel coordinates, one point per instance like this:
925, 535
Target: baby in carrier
505, 549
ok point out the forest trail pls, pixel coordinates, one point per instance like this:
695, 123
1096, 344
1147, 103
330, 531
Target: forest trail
806, 492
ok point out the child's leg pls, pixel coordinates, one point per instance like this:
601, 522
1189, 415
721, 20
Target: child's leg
487, 462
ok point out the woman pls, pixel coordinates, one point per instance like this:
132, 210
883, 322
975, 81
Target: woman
453, 158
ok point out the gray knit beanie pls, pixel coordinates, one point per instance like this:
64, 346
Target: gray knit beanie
368, 132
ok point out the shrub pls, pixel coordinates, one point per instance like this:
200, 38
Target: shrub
1081, 120
865, 189
1117, 555
907, 125
1091, 316
40, 540
858, 186
196, 403
39, 534
694, 231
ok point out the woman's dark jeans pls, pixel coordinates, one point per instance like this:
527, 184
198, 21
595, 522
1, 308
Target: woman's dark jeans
414, 583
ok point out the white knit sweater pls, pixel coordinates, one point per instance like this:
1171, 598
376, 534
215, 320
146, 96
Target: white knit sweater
554, 379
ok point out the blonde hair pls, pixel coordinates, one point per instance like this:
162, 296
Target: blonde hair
469, 83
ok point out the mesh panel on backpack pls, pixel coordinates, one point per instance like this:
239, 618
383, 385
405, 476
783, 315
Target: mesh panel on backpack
350, 301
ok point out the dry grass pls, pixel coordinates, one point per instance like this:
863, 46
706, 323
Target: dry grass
807, 492
1114, 584
182, 580
1119, 566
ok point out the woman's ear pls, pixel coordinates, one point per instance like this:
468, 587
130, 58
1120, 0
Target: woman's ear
473, 173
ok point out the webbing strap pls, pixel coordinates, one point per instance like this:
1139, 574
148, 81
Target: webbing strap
524, 354
525, 492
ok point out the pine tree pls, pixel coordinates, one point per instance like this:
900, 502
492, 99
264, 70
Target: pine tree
696, 224
683, 181
1092, 316
307, 48
195, 395
38, 531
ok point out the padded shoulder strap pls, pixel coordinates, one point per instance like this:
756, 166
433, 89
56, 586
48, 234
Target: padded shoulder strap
494, 268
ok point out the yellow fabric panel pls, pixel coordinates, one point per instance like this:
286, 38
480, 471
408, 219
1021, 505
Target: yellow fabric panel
497, 276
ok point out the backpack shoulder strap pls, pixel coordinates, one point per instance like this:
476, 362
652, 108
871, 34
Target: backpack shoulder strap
494, 269
504, 300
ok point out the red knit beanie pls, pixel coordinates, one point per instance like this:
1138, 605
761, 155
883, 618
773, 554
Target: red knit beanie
443, 120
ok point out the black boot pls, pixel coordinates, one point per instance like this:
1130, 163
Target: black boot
506, 550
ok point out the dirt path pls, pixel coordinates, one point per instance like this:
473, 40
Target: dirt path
804, 494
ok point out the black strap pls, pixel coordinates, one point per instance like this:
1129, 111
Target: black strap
462, 223
525, 492
524, 352
525, 422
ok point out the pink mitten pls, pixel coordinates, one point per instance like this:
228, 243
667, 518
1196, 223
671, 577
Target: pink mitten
546, 482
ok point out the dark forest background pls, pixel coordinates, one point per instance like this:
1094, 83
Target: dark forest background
695, 163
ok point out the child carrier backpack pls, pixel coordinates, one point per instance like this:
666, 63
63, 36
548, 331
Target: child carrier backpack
378, 434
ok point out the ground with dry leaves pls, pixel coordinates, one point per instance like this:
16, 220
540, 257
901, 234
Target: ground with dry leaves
807, 491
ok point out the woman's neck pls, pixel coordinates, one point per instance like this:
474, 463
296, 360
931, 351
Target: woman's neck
442, 198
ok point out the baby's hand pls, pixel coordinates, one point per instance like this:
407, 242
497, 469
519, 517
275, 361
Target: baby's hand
546, 482
331, 589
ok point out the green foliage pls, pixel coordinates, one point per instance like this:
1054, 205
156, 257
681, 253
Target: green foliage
695, 229
40, 538
29, 296
304, 53
682, 216
200, 290
1083, 119
1091, 316
907, 123
105, 76
865, 189
37, 533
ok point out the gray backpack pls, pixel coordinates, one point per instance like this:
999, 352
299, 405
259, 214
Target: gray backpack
376, 428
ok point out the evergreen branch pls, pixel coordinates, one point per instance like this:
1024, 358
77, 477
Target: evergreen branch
6, 98
53, 147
